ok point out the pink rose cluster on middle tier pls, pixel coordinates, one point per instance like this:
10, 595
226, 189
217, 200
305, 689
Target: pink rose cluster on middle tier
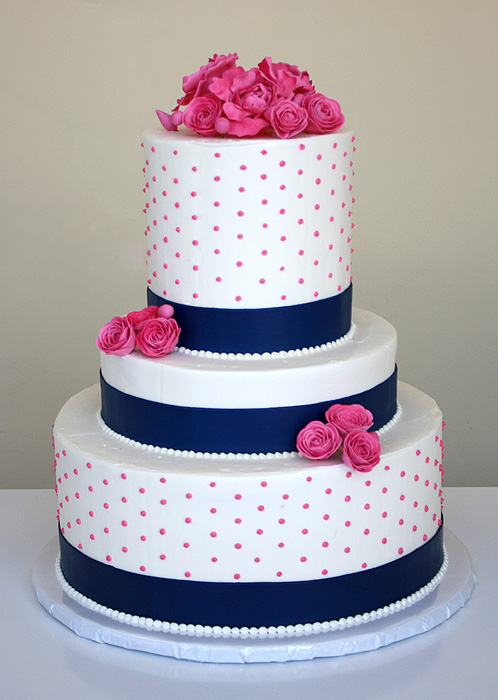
346, 426
152, 330
223, 98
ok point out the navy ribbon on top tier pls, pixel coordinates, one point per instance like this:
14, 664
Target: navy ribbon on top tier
243, 430
252, 604
261, 330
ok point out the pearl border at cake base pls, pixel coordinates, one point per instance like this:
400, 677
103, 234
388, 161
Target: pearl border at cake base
451, 595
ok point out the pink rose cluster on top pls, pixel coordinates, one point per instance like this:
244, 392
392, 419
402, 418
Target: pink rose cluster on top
223, 98
346, 426
152, 330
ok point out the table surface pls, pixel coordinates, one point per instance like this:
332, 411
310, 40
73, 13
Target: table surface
43, 659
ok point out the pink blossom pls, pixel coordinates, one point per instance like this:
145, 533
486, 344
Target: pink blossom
245, 96
349, 417
202, 113
288, 118
117, 337
324, 114
286, 80
361, 450
158, 337
318, 440
137, 319
197, 84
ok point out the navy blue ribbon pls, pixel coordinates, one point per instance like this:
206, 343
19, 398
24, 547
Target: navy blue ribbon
241, 604
261, 330
245, 430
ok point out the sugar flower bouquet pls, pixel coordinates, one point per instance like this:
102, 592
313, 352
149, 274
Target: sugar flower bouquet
222, 98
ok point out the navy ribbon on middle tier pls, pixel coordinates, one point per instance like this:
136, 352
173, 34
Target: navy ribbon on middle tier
238, 430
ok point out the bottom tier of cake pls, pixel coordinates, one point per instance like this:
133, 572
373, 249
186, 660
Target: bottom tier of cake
248, 542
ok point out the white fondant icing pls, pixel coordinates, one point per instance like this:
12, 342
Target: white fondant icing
182, 379
298, 630
248, 223
279, 519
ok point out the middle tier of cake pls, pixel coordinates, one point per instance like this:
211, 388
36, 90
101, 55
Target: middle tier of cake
204, 402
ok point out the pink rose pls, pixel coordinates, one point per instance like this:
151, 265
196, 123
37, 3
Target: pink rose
158, 336
245, 97
117, 337
137, 319
318, 440
349, 417
197, 84
324, 114
288, 118
361, 450
201, 115
285, 79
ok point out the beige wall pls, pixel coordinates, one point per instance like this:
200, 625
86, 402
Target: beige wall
81, 80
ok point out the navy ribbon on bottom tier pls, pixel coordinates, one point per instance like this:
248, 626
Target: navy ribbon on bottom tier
237, 430
252, 604
261, 330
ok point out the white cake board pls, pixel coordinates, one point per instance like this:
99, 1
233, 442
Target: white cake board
438, 606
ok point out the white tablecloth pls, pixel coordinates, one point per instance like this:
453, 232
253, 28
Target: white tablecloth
40, 658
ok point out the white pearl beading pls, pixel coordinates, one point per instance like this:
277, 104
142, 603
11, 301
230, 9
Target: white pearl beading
299, 352
281, 631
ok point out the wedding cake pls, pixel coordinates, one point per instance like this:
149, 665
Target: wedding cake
249, 461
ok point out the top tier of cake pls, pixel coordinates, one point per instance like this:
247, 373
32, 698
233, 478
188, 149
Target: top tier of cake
250, 239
